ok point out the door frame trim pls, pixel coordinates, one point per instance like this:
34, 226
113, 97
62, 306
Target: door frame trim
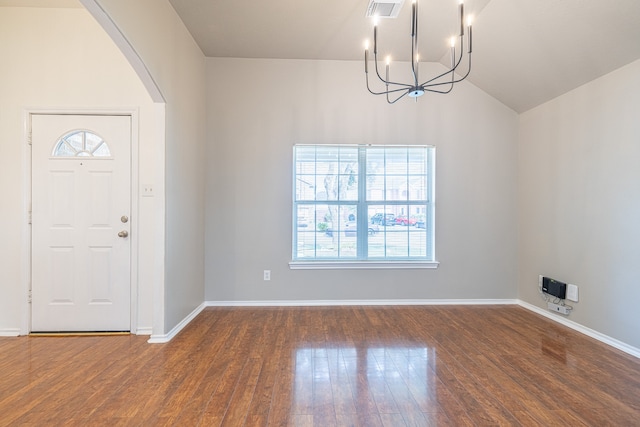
133, 113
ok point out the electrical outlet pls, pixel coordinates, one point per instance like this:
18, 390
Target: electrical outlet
563, 309
572, 292
267, 275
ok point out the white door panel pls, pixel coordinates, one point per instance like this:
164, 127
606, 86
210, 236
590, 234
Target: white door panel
80, 191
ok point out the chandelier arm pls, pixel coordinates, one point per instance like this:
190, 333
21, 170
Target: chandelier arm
384, 92
397, 90
426, 86
426, 89
398, 98
429, 88
375, 61
369, 89
452, 70
375, 55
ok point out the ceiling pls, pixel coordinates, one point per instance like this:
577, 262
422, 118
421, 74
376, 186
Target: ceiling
525, 52
41, 3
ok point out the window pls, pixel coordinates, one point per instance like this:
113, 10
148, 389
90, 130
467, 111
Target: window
363, 204
81, 143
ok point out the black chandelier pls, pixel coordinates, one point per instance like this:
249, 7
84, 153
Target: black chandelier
442, 83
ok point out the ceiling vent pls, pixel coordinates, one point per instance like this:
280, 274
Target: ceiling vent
384, 8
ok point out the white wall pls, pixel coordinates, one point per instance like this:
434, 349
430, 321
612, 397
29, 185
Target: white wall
176, 64
59, 58
579, 204
258, 109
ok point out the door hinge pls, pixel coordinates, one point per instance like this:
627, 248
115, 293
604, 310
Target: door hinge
29, 217
30, 138
29, 296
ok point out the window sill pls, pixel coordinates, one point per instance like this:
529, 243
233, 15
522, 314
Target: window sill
360, 265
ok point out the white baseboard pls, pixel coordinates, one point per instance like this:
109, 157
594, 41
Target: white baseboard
376, 302
160, 339
143, 331
633, 351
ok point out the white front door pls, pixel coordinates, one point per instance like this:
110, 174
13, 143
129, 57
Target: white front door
81, 202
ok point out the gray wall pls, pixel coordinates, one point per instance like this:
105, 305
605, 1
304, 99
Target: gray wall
257, 111
579, 204
177, 66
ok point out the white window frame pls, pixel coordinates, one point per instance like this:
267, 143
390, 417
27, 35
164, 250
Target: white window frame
362, 261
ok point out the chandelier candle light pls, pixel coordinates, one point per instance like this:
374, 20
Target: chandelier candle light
442, 83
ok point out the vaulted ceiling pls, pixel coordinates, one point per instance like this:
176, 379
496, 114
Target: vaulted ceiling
526, 52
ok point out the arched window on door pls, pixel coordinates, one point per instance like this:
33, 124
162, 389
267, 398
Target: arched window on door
81, 143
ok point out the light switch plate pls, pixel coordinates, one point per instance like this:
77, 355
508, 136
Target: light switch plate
572, 292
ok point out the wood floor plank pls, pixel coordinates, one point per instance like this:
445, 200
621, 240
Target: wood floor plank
342, 393
229, 377
342, 366
392, 420
301, 420
272, 349
243, 393
214, 357
323, 403
282, 396
253, 420
362, 394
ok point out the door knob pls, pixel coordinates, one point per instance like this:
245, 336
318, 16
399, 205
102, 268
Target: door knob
123, 233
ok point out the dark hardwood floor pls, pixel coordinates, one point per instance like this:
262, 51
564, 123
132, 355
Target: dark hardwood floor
326, 366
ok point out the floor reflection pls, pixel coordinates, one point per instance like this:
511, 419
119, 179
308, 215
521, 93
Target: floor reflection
372, 379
